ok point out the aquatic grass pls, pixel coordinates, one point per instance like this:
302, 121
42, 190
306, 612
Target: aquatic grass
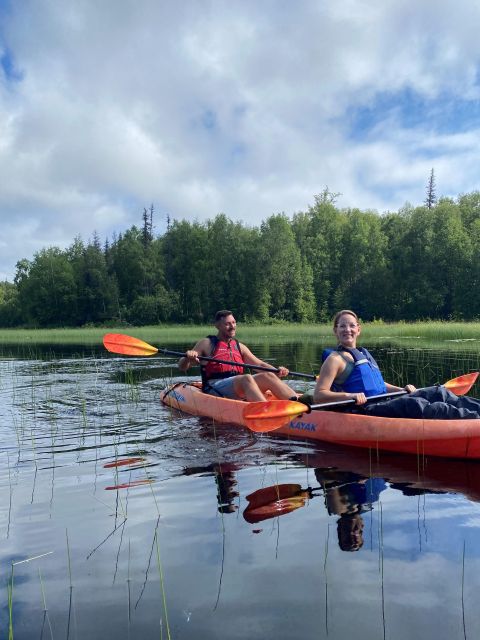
10, 585
129, 595
425, 367
10, 604
381, 559
463, 593
69, 560
325, 561
118, 497
45, 609
132, 384
10, 498
70, 600
162, 585
454, 333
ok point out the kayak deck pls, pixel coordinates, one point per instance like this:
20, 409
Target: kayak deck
445, 438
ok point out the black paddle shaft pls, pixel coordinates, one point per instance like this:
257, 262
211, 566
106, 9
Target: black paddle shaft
168, 352
382, 396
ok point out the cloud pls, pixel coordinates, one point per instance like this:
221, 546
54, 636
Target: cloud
248, 109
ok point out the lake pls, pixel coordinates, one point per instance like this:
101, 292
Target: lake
122, 519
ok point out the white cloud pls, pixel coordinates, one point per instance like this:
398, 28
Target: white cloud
243, 108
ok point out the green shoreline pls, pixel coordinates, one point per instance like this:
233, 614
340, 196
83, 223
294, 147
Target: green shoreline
455, 334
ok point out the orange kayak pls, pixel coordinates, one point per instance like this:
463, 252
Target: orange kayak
446, 438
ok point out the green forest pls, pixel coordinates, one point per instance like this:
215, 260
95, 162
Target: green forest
415, 264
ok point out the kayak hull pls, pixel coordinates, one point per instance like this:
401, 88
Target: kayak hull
445, 438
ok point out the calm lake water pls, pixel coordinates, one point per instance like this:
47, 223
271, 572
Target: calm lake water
173, 544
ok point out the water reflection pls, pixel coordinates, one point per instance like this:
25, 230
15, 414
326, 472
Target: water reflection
163, 532
348, 495
350, 483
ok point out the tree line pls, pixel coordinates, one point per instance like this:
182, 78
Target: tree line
418, 263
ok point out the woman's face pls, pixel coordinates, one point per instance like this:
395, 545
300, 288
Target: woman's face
347, 330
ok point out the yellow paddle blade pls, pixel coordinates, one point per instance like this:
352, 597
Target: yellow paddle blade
272, 414
128, 346
462, 385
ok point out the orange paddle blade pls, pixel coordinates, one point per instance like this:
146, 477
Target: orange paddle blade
278, 508
271, 494
123, 462
128, 346
271, 414
462, 385
129, 485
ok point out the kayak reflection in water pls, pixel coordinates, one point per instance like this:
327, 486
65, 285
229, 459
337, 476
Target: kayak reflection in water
229, 380
348, 495
351, 373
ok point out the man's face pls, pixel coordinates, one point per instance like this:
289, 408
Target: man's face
226, 327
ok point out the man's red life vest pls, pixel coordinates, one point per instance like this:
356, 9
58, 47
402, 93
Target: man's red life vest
224, 351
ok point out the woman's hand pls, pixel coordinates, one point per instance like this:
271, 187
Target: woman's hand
360, 398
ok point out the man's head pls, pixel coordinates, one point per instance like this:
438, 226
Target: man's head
226, 324
223, 313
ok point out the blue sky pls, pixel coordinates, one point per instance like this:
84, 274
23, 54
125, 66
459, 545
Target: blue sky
245, 108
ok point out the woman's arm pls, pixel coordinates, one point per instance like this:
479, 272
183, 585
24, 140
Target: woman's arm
333, 366
409, 388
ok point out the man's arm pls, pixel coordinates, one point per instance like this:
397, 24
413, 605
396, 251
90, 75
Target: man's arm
250, 358
191, 358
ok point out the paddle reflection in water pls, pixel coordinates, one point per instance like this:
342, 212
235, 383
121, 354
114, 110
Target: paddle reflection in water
346, 494
353, 482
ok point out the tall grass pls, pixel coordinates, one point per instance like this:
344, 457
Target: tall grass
425, 332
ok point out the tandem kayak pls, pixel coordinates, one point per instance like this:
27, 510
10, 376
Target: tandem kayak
445, 438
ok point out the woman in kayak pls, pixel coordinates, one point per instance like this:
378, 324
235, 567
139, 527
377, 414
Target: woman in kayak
349, 372
230, 381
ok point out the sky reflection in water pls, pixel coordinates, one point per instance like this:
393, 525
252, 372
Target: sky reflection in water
385, 546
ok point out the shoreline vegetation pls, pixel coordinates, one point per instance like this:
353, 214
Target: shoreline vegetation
419, 262
459, 335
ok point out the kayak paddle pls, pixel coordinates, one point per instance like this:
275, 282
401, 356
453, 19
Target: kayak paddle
273, 414
270, 414
126, 345
265, 495
254, 515
274, 501
460, 386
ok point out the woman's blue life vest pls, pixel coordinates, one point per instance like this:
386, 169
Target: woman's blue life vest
224, 351
360, 376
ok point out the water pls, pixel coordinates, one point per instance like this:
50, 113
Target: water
174, 545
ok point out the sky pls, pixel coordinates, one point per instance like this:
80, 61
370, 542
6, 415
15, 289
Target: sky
247, 108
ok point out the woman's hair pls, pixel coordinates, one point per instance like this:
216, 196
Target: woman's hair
338, 315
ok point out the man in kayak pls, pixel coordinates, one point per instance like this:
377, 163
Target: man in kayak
349, 372
230, 381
